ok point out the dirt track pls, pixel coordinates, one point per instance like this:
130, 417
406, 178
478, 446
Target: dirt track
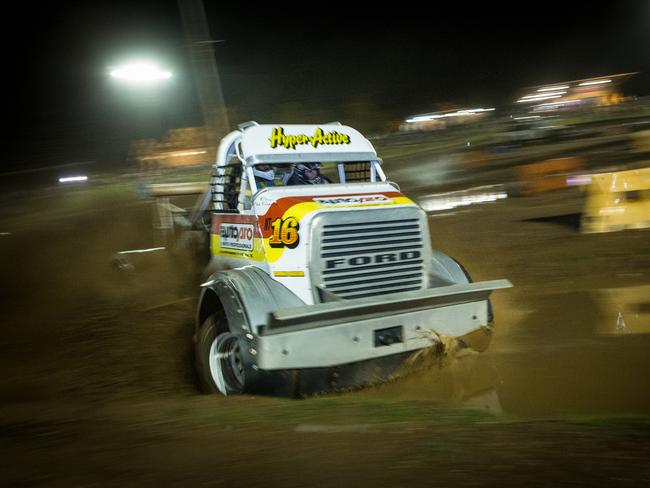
98, 389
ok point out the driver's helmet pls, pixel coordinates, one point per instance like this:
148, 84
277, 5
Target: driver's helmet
299, 173
264, 172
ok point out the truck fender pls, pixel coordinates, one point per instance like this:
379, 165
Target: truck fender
445, 270
246, 296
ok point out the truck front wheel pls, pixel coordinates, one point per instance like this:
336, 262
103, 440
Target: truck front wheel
220, 363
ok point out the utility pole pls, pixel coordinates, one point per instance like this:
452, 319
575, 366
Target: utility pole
204, 67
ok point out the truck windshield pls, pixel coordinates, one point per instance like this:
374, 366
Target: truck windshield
313, 173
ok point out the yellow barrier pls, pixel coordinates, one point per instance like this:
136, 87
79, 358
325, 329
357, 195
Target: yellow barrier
548, 175
617, 201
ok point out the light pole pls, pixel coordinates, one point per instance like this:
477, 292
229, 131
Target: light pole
204, 66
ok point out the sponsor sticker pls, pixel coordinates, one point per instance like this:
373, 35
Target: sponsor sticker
320, 137
353, 200
236, 236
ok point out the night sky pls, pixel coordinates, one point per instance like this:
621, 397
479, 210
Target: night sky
291, 60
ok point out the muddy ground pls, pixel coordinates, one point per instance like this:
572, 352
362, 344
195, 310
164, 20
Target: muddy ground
98, 387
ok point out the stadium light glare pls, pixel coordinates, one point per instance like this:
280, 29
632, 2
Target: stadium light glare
542, 95
457, 113
536, 99
595, 82
73, 179
140, 72
553, 88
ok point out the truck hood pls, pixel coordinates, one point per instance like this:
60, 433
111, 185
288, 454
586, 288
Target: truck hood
354, 195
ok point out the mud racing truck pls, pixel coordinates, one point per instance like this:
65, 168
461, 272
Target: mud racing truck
328, 280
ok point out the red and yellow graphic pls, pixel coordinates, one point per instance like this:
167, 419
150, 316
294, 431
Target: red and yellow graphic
279, 228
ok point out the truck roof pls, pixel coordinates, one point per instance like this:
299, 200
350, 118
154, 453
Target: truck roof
304, 143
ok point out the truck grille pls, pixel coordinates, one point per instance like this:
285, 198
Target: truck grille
372, 257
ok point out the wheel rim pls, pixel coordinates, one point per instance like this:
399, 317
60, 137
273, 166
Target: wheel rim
226, 364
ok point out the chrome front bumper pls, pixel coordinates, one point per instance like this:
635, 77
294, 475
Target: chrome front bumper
341, 332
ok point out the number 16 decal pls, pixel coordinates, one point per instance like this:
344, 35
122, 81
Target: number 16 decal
285, 233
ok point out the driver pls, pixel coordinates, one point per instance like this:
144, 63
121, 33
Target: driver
307, 174
264, 176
